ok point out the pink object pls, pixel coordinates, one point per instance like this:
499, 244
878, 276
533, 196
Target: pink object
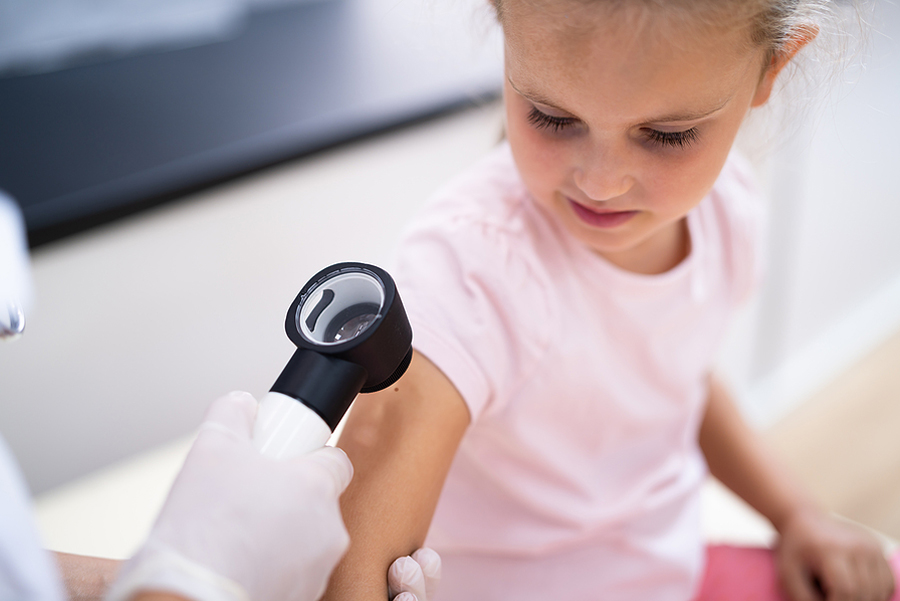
740, 574
579, 476
750, 574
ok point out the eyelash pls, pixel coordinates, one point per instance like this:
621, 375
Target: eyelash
542, 120
673, 139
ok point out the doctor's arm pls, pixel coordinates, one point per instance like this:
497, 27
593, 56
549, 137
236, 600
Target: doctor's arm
401, 441
814, 549
86, 578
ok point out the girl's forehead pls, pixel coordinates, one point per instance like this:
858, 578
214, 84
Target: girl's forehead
692, 14
580, 53
689, 27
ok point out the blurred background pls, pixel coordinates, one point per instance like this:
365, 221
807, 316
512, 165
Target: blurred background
184, 167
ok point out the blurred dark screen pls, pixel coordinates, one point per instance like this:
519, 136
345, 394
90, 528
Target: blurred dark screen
87, 144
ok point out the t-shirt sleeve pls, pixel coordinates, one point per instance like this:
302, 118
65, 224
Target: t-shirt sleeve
747, 216
467, 288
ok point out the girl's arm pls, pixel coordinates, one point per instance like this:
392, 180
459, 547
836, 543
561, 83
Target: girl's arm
401, 442
738, 459
815, 551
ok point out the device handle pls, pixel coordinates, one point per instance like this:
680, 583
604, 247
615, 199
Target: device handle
286, 428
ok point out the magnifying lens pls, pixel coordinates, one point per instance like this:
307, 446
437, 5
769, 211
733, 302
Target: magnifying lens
352, 336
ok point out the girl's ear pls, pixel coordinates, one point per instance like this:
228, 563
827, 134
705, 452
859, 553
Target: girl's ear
799, 38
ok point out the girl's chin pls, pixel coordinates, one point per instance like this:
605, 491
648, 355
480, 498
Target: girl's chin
608, 244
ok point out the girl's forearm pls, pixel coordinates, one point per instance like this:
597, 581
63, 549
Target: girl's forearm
737, 457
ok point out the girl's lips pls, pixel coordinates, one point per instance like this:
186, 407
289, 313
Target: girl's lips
604, 219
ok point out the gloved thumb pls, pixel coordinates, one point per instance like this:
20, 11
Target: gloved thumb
233, 415
415, 577
430, 562
405, 576
335, 463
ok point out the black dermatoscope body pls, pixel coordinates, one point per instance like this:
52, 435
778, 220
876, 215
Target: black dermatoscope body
352, 336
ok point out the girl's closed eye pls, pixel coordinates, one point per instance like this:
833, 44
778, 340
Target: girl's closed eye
542, 120
673, 139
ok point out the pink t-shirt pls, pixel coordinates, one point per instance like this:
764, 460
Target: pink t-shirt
579, 475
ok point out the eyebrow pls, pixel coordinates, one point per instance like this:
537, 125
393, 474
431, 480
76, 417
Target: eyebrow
672, 117
693, 116
539, 99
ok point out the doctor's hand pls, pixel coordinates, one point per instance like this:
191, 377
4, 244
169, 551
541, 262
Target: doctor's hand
415, 577
237, 525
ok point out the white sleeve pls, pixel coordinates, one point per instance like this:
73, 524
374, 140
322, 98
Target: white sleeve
15, 275
26, 570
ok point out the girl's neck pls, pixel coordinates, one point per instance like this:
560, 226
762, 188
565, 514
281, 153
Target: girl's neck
658, 254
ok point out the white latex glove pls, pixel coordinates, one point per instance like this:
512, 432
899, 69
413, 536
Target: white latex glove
415, 577
15, 275
237, 525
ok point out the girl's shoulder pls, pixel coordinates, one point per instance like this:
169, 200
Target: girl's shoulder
737, 207
485, 222
470, 264
488, 195
737, 184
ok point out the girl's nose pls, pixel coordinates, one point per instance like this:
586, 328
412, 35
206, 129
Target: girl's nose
602, 181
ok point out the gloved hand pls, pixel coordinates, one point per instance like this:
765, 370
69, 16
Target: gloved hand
15, 276
237, 525
415, 577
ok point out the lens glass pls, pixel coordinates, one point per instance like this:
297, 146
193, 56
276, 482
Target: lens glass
340, 308
350, 323
354, 327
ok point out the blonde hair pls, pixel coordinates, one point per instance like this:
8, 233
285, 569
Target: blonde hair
771, 24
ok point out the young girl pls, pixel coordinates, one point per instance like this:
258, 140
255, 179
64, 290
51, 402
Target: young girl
567, 297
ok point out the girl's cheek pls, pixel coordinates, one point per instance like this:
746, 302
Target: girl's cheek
539, 167
544, 146
527, 144
543, 156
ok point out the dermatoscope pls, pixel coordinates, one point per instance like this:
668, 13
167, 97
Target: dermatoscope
352, 336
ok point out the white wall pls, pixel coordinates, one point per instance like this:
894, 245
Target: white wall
833, 287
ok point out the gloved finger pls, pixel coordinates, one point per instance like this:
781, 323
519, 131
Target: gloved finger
430, 562
407, 597
405, 576
232, 415
15, 277
335, 463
